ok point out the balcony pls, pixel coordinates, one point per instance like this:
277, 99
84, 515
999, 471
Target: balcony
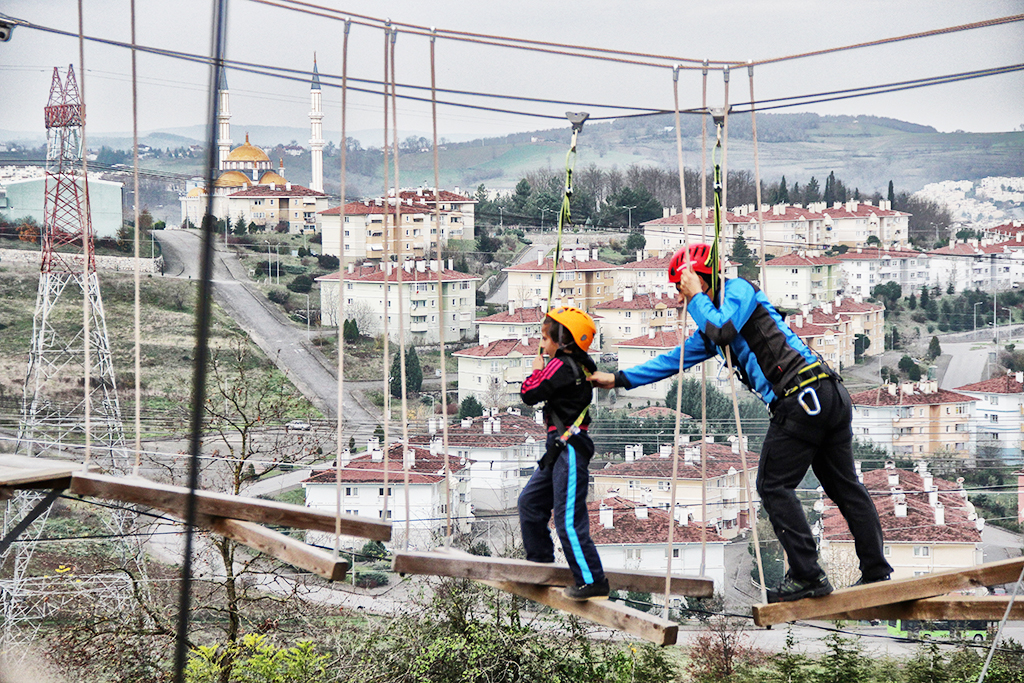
419, 327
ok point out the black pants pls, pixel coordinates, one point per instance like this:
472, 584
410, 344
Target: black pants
562, 488
823, 442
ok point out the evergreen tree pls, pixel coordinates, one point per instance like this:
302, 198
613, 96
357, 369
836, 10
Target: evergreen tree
742, 255
783, 194
912, 302
240, 226
795, 195
830, 189
844, 661
470, 408
892, 195
813, 191
934, 348
413, 373
924, 296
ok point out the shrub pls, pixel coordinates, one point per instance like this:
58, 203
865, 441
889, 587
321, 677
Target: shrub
371, 579
301, 284
328, 262
278, 296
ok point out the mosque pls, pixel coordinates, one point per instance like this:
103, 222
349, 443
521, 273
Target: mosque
248, 186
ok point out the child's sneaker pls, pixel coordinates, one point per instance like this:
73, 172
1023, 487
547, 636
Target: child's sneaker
590, 591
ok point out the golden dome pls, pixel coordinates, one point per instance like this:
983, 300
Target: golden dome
247, 152
233, 179
196, 192
271, 177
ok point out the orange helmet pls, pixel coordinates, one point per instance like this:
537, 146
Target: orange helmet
580, 325
697, 255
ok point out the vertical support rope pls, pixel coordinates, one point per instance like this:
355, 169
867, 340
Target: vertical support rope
703, 366
680, 330
87, 246
440, 294
725, 143
202, 342
999, 631
341, 298
386, 265
401, 291
138, 234
757, 177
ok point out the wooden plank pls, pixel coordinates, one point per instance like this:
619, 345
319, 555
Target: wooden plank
986, 607
276, 544
538, 573
174, 499
889, 592
605, 612
20, 471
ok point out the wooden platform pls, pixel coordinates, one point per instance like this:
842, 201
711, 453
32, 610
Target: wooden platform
173, 500
987, 608
613, 614
465, 566
886, 593
22, 472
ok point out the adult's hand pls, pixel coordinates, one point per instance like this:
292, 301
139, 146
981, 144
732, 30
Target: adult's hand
689, 284
603, 380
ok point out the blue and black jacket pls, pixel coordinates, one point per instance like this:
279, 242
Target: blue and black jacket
767, 355
562, 384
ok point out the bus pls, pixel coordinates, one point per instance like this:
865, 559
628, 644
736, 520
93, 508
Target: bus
939, 629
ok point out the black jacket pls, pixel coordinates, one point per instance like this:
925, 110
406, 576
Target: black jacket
563, 385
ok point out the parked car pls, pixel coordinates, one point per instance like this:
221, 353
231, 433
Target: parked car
299, 425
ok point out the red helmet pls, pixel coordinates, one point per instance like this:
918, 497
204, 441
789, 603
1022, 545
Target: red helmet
697, 256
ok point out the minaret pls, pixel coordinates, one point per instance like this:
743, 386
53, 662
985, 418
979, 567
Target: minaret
223, 120
316, 132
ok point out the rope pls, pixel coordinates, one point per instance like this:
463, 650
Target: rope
401, 295
202, 344
440, 301
138, 276
757, 180
703, 366
386, 264
341, 297
680, 329
565, 214
725, 153
87, 249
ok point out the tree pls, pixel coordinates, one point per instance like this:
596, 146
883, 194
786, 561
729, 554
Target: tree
301, 284
616, 211
350, 330
720, 650
891, 196
873, 240
126, 238
830, 189
413, 373
924, 296
782, 194
844, 661
241, 227
470, 408
741, 254
912, 301
861, 342
934, 349
812, 193
635, 242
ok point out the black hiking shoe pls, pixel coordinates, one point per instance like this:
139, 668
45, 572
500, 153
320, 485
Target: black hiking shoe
864, 581
590, 591
791, 588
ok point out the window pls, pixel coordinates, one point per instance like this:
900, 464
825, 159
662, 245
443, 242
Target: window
380, 513
922, 551
632, 553
381, 491
994, 400
351, 491
887, 550
993, 418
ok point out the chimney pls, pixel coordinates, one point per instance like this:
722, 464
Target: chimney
857, 468
593, 254
665, 451
894, 478
798, 321
639, 254
409, 458
497, 425
630, 453
540, 258
933, 498
907, 388
451, 264
940, 514
351, 268
372, 444
926, 481
433, 265
421, 266
288, 187
650, 333
467, 423
891, 388
979, 524
1019, 376
431, 426
664, 212
606, 516
538, 417
641, 511
627, 294
488, 426
900, 505
691, 455
377, 455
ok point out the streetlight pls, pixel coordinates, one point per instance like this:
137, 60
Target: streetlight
307, 316
979, 303
630, 210
501, 217
270, 278
542, 210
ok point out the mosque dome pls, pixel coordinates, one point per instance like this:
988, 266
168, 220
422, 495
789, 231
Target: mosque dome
247, 152
233, 179
272, 178
196, 192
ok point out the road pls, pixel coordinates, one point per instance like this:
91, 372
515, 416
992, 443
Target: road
284, 343
966, 364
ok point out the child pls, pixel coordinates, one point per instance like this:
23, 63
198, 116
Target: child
560, 482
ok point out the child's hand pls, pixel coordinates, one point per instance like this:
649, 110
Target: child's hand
538, 362
604, 380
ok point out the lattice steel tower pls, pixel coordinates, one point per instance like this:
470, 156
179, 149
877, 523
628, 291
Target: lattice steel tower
60, 414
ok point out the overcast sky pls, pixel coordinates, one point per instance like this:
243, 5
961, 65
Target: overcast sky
172, 92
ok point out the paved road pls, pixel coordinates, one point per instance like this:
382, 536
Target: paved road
967, 364
283, 342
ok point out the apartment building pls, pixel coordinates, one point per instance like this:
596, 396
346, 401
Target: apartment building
915, 419
581, 280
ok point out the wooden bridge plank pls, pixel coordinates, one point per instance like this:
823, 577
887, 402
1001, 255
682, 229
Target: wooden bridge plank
889, 592
276, 544
960, 607
462, 565
173, 500
607, 613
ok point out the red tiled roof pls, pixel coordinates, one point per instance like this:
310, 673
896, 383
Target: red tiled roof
428, 469
919, 525
692, 219
278, 191
563, 266
794, 259
517, 426
428, 196
882, 397
522, 315
860, 211
653, 263
643, 302
1007, 384
364, 208
869, 253
653, 466
627, 528
660, 340
366, 273
502, 348
849, 305
656, 411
